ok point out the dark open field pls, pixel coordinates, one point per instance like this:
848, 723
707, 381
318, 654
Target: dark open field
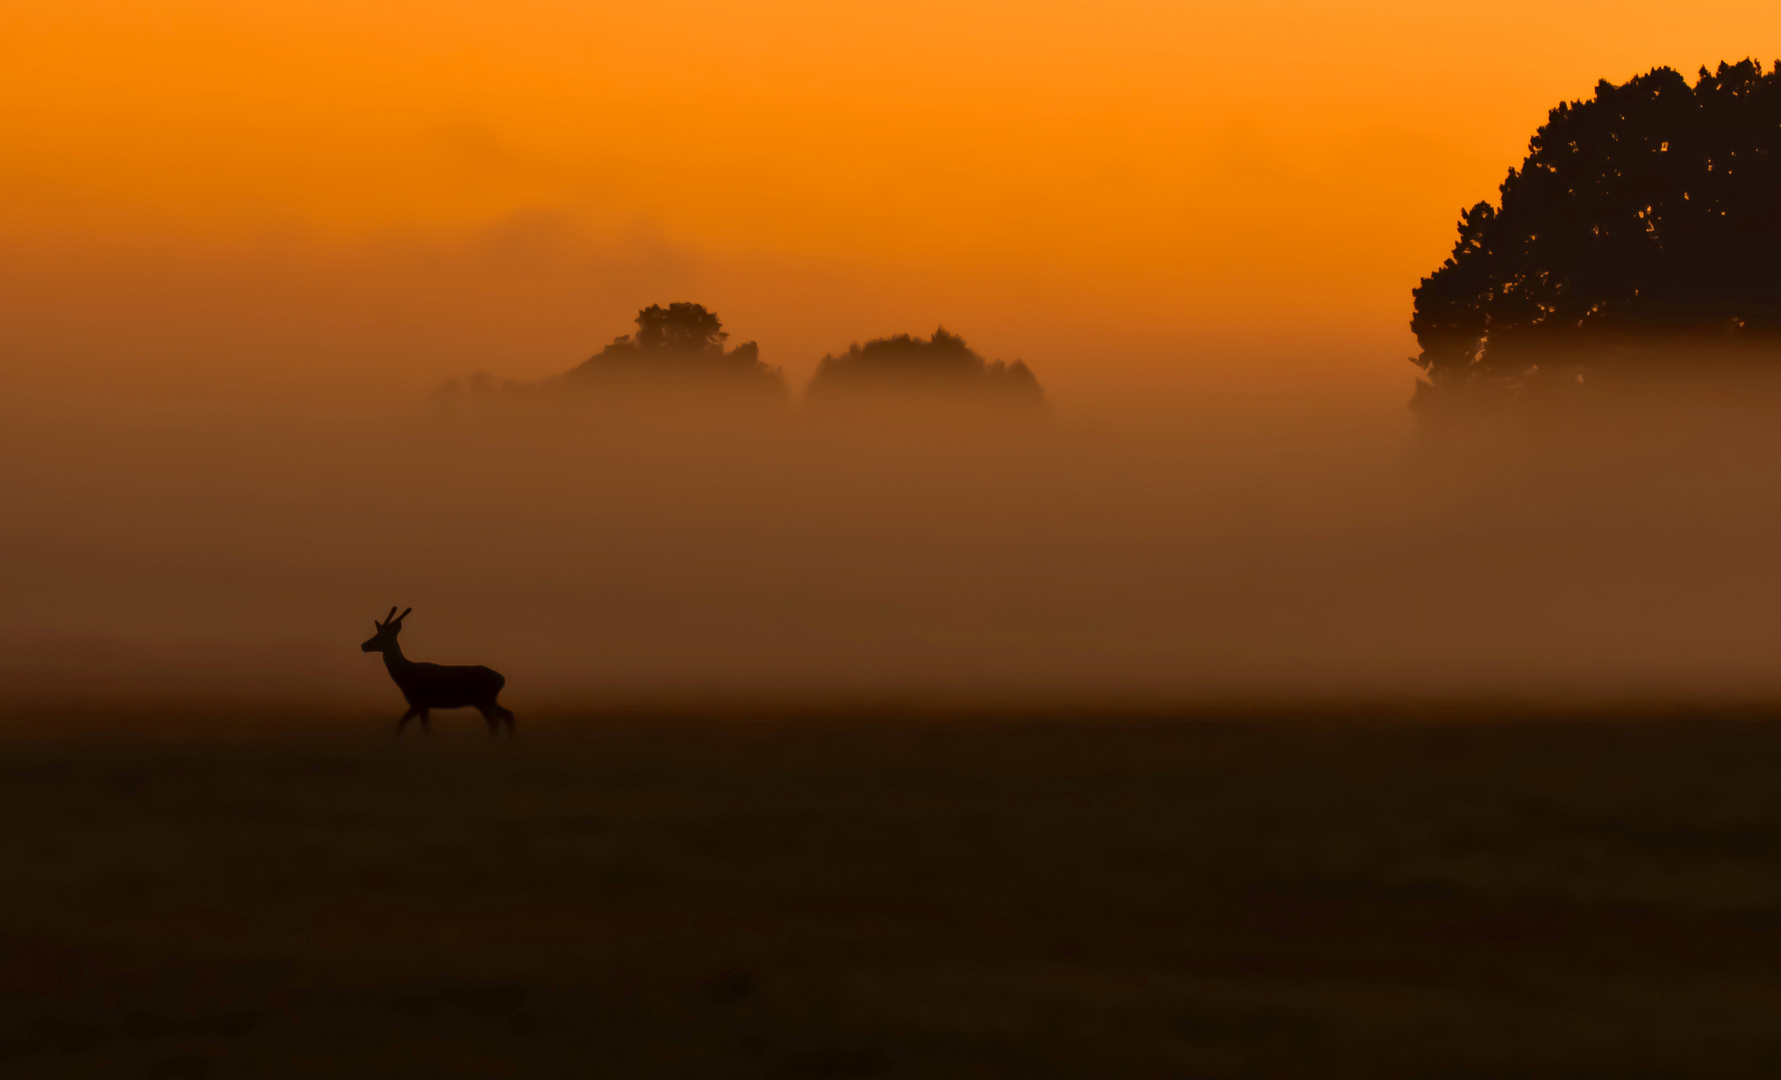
829, 898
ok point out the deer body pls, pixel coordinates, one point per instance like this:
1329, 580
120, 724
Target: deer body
438, 686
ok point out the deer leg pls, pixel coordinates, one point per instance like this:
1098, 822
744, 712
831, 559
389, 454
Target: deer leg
488, 717
426, 724
407, 716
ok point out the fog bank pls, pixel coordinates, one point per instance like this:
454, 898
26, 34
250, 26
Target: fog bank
164, 550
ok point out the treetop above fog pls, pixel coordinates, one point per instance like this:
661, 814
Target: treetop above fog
943, 362
1652, 208
681, 339
678, 355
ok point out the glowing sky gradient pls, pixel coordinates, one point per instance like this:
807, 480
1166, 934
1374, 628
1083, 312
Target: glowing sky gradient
417, 188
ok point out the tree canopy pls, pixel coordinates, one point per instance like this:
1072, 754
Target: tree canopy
679, 341
943, 362
1652, 209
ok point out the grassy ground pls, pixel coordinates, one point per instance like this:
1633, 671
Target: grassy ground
858, 900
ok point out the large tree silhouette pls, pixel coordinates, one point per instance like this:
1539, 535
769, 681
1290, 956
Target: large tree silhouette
1652, 210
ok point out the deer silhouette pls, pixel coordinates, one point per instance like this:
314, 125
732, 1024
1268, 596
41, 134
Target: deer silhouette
437, 686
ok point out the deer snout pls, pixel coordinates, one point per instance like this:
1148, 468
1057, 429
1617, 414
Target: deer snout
369, 646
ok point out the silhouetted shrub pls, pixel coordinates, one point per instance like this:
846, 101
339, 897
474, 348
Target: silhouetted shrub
1651, 212
941, 367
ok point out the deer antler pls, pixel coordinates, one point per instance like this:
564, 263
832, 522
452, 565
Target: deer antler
402, 616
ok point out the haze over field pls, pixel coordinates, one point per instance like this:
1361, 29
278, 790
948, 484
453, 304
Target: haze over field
241, 554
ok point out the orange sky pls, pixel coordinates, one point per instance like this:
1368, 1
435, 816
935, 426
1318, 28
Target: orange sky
407, 190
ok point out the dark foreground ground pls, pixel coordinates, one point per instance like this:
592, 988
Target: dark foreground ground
1537, 899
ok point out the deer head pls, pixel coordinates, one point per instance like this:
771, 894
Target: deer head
385, 638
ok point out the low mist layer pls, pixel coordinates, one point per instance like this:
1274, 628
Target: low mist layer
166, 551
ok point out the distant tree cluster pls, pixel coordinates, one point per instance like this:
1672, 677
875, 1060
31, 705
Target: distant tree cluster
680, 341
679, 351
1653, 209
903, 363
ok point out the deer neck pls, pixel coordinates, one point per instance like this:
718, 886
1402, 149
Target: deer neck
394, 660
